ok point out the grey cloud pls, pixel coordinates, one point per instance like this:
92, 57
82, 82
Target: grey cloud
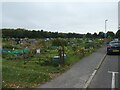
62, 17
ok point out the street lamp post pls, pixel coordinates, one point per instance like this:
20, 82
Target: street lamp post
105, 30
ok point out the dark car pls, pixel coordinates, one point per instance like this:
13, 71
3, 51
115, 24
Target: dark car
113, 47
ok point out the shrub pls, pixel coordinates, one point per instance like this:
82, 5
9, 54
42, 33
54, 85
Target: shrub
8, 46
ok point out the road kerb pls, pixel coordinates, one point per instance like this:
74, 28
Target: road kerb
94, 72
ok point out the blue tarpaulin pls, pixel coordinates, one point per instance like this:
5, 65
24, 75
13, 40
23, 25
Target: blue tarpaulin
15, 51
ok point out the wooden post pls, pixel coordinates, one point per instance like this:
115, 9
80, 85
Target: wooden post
59, 51
63, 55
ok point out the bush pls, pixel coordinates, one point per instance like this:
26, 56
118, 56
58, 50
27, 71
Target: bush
8, 46
59, 42
80, 51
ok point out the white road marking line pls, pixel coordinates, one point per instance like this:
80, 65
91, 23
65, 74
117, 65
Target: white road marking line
89, 80
113, 79
94, 72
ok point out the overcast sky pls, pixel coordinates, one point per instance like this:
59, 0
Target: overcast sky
79, 17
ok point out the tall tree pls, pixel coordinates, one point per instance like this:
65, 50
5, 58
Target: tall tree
118, 34
95, 35
110, 34
88, 35
101, 35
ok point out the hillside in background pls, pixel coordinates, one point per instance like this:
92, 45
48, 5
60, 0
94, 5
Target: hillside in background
23, 33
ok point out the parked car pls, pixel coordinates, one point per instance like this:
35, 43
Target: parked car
113, 47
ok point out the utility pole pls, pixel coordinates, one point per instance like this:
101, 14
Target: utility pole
106, 30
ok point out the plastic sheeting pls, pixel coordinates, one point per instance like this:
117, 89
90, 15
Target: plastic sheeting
15, 51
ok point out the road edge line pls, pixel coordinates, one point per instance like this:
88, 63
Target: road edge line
101, 62
94, 72
90, 79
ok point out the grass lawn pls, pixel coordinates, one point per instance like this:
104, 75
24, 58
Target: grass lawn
16, 74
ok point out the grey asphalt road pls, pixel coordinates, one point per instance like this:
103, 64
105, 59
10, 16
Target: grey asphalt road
103, 79
79, 73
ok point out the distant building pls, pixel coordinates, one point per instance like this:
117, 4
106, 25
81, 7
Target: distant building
119, 15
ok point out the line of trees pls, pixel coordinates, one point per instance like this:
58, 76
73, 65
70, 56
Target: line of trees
23, 33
